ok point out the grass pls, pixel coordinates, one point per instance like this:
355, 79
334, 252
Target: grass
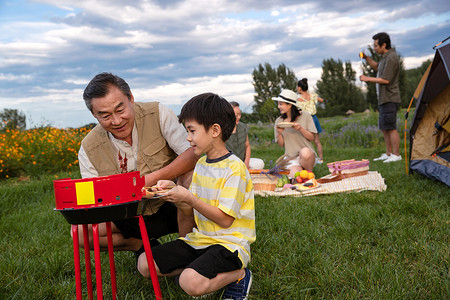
368, 245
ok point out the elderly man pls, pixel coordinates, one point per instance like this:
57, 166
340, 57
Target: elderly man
134, 136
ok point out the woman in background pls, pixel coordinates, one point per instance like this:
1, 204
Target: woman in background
294, 130
307, 102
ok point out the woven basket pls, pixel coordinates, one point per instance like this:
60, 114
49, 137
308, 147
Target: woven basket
345, 169
264, 182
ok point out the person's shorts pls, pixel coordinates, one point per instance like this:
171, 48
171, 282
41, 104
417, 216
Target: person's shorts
388, 116
163, 222
208, 262
316, 122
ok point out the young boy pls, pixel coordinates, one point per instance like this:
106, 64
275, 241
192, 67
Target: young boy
221, 198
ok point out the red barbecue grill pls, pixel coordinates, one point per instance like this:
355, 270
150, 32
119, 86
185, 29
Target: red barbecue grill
97, 200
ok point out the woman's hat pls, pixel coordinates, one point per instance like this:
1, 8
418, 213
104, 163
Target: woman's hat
287, 96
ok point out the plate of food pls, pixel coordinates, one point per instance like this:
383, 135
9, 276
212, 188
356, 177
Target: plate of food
153, 192
307, 186
285, 124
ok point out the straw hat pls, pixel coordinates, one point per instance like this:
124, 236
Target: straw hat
287, 96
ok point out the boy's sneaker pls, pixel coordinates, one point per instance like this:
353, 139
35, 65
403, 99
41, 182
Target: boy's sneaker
383, 156
239, 289
392, 158
319, 161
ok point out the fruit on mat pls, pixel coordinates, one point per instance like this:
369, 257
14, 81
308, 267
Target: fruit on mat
297, 174
284, 179
304, 174
280, 183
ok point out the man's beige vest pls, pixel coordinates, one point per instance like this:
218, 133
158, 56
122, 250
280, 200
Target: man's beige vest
153, 150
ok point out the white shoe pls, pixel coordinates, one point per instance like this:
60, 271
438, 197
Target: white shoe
383, 156
392, 158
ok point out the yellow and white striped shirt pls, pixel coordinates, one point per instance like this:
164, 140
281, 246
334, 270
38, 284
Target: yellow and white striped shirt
224, 183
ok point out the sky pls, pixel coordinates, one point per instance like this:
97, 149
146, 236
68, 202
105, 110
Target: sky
170, 51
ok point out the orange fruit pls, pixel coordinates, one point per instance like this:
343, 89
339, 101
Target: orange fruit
304, 174
311, 175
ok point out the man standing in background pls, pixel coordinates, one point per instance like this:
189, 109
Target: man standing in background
388, 93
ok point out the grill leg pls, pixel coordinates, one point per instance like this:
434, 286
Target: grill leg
87, 261
149, 256
76, 258
112, 266
98, 264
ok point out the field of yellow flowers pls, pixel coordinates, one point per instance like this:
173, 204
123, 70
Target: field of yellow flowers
37, 151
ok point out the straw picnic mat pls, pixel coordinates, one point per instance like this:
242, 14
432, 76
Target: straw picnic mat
370, 182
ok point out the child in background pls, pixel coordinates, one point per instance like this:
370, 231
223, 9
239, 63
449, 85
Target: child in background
217, 252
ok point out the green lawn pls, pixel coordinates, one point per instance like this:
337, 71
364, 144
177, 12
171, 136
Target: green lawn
368, 245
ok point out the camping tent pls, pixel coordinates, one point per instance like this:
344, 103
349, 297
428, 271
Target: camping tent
429, 135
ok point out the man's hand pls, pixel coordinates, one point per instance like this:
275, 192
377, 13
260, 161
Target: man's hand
363, 78
163, 184
151, 179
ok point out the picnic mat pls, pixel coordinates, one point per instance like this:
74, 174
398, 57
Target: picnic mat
370, 182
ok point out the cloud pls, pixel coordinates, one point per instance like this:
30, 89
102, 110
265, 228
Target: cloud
11, 77
233, 87
415, 62
171, 50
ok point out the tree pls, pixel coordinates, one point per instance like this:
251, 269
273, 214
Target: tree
268, 83
337, 86
12, 119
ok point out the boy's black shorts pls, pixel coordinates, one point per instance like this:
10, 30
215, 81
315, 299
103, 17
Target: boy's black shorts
163, 222
388, 116
208, 262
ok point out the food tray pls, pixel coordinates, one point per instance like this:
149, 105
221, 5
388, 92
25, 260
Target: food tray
285, 124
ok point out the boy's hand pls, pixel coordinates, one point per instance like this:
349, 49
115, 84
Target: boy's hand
161, 187
182, 198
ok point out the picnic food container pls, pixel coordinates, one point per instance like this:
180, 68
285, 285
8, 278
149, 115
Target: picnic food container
264, 182
349, 168
345, 169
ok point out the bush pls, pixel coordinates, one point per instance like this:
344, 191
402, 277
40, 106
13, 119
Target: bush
39, 151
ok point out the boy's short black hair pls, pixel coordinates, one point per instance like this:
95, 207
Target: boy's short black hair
208, 109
